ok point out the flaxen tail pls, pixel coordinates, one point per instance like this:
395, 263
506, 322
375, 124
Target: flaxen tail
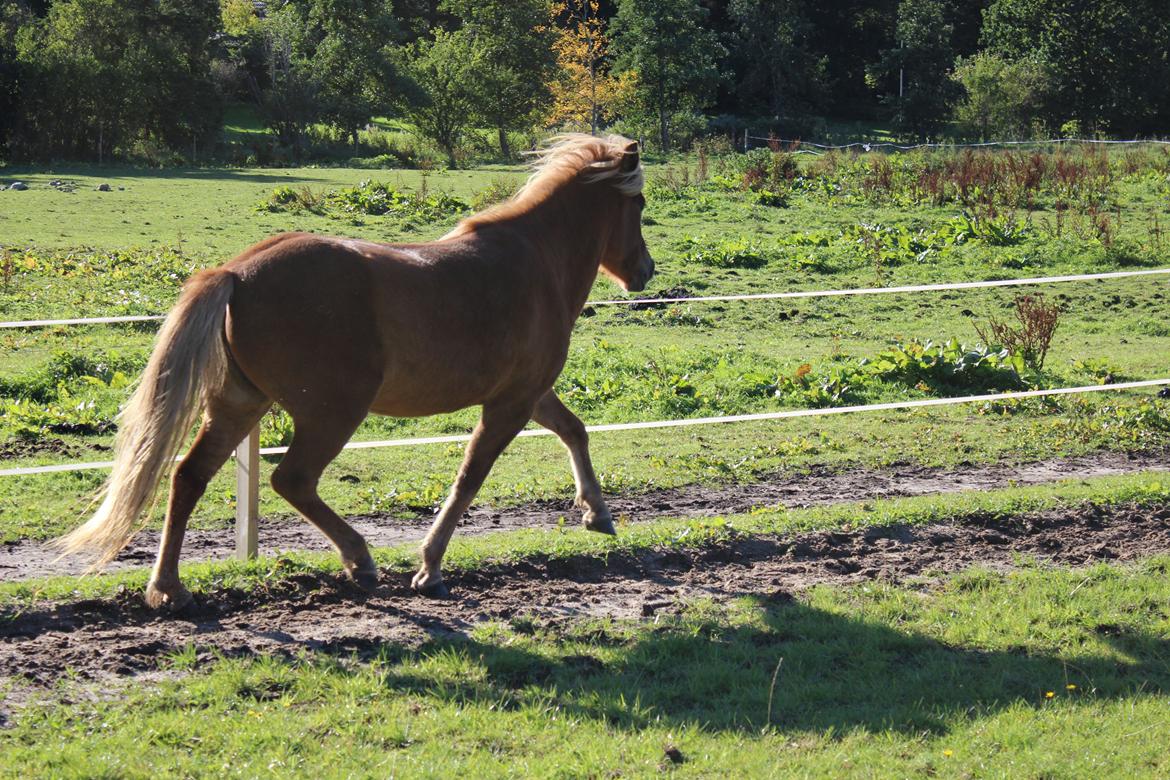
189, 360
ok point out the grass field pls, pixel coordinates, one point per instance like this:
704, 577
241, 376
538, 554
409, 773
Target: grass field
125, 252
986, 676
1038, 671
1032, 669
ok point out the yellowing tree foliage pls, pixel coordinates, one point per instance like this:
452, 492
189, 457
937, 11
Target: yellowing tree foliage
584, 92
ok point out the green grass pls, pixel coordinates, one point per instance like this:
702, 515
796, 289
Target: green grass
691, 360
388, 481
1043, 672
242, 124
206, 211
950, 679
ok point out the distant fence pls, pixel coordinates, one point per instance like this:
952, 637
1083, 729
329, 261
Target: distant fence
868, 146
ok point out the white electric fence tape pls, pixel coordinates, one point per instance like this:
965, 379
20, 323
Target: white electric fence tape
459, 438
912, 288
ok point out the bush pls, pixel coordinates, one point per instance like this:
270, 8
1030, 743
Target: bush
1003, 97
371, 198
726, 254
45, 384
764, 169
375, 198
1032, 337
289, 199
951, 367
497, 191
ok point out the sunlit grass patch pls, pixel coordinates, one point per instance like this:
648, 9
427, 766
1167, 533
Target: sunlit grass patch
1034, 672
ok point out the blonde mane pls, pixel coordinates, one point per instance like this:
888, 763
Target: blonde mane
567, 156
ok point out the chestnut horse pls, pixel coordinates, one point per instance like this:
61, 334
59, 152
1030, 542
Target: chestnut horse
332, 329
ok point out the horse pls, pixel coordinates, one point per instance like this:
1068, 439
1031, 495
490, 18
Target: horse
333, 329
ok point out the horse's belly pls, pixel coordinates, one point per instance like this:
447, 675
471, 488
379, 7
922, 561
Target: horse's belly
429, 393
397, 405
414, 386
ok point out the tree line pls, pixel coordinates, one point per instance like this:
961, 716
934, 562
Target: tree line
95, 79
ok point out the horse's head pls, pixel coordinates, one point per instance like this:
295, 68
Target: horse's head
625, 258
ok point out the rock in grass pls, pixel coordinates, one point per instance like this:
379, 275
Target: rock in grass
18, 185
103, 187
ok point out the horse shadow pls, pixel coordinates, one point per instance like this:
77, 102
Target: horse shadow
832, 673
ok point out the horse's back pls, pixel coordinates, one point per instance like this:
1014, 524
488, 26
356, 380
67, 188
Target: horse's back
405, 330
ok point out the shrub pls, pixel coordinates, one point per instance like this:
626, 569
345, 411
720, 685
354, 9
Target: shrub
738, 253
497, 191
1032, 337
949, 366
764, 169
44, 385
369, 197
289, 199
376, 198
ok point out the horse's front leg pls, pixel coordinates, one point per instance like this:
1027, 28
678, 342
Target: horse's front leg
553, 414
496, 429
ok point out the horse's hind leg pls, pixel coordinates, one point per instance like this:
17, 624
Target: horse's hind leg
552, 414
229, 416
317, 440
497, 427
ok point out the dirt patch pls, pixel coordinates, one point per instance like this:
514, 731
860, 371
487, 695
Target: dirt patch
25, 559
19, 448
323, 614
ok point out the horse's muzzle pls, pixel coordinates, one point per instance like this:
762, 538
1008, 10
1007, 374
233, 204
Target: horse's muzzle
638, 282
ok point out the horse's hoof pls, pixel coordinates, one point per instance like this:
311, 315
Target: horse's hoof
602, 524
366, 579
436, 591
174, 599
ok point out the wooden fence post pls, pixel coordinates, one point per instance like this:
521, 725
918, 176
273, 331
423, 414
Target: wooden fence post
248, 495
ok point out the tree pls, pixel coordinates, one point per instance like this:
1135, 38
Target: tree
850, 35
664, 43
1107, 60
1003, 98
351, 60
914, 77
12, 18
777, 69
103, 74
313, 61
510, 88
443, 70
288, 101
584, 92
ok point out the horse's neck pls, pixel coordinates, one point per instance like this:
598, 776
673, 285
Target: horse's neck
572, 236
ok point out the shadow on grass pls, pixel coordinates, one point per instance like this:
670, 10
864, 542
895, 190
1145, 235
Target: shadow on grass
33, 174
836, 674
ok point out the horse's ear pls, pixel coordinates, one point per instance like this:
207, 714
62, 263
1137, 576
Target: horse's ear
630, 157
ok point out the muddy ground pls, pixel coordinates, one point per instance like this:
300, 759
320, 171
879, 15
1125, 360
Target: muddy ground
104, 639
25, 559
